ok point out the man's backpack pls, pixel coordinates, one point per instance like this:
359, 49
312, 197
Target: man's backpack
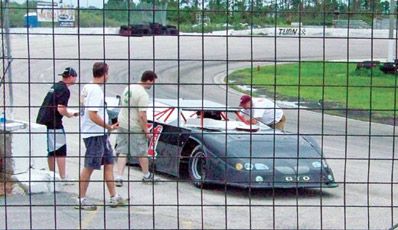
46, 112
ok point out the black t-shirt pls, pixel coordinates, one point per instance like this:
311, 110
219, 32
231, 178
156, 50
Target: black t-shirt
48, 114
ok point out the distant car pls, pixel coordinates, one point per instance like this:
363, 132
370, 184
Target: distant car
219, 148
148, 30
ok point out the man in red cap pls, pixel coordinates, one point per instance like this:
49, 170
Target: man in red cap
263, 110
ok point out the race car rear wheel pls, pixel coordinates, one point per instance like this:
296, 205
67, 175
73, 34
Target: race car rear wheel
197, 167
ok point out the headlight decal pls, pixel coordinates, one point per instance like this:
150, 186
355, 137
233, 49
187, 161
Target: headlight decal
316, 164
249, 166
238, 166
261, 166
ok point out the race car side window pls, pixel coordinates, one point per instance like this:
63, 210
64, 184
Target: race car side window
216, 115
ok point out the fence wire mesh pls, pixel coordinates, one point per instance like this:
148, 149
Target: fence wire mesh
329, 67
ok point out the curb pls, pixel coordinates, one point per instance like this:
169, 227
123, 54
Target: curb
219, 79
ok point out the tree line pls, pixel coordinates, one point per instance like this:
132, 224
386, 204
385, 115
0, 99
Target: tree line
207, 13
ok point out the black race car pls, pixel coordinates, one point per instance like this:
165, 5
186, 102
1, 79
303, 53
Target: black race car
219, 148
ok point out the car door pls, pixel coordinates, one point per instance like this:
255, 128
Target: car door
168, 146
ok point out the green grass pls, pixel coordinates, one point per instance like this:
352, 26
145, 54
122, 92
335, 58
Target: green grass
338, 85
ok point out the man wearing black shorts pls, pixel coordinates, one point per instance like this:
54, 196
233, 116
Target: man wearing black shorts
52, 110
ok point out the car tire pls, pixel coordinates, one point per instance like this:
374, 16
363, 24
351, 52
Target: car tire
197, 167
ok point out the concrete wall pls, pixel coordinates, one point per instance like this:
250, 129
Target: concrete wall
305, 31
6, 164
382, 23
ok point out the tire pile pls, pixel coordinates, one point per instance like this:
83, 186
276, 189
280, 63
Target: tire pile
390, 67
386, 67
152, 29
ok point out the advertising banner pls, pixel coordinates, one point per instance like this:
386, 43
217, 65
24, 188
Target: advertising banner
46, 11
52, 11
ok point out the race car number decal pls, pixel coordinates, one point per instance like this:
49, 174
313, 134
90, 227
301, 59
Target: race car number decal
154, 140
297, 178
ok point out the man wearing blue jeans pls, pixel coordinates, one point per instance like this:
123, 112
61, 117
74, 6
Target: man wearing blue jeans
96, 139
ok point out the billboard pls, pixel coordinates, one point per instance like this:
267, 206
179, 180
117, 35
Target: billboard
52, 11
66, 13
45, 11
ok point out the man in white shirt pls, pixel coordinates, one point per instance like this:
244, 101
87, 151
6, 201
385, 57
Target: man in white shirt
133, 135
264, 110
94, 130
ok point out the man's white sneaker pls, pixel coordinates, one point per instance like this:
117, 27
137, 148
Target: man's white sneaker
119, 182
150, 178
67, 181
117, 201
85, 204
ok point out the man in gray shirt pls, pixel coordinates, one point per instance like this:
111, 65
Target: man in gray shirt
134, 134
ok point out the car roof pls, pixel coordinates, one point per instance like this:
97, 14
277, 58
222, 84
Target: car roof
169, 110
196, 105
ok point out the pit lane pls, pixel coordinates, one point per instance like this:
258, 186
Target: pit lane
360, 153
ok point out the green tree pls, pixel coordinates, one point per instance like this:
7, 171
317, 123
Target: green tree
117, 10
17, 12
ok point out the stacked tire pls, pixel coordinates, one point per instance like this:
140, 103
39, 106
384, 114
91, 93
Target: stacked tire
152, 29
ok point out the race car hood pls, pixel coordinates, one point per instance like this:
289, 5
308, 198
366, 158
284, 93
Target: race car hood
288, 154
260, 145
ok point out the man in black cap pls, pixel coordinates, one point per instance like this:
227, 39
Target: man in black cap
52, 110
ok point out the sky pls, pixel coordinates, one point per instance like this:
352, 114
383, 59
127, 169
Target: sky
83, 3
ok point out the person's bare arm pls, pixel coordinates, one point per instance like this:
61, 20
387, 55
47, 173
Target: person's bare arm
143, 122
252, 121
247, 119
63, 110
93, 115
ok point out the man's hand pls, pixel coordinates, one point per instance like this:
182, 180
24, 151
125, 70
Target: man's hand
73, 112
67, 112
149, 136
113, 126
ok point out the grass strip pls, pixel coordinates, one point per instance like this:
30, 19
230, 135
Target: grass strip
338, 87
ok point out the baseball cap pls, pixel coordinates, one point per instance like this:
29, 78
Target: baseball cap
244, 99
69, 71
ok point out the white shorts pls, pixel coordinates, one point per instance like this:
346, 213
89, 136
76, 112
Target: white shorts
56, 138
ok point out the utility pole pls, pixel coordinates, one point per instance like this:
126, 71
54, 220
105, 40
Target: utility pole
7, 59
391, 41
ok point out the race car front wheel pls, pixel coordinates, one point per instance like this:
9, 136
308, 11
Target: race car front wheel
197, 167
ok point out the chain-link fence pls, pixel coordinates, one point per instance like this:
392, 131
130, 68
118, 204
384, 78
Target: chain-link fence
263, 115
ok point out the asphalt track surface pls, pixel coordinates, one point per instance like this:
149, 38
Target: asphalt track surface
361, 154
